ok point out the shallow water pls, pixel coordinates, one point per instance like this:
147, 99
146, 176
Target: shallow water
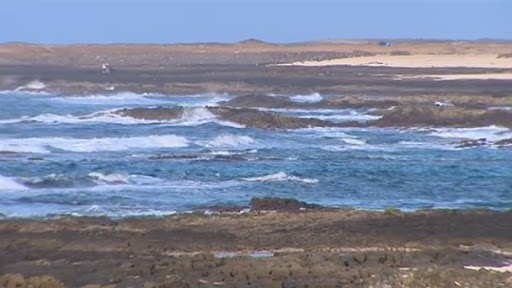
72, 155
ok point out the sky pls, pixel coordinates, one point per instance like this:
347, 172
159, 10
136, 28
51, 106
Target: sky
282, 21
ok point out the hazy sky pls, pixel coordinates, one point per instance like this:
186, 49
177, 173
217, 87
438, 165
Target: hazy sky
161, 21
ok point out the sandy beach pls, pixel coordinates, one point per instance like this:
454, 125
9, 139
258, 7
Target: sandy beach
418, 61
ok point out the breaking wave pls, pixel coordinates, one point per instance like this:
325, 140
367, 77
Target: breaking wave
311, 98
8, 184
41, 145
33, 85
491, 133
228, 141
131, 98
280, 177
123, 178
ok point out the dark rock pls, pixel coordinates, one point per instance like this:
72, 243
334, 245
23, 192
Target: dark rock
158, 113
356, 102
173, 157
472, 143
280, 204
266, 120
258, 100
504, 143
427, 115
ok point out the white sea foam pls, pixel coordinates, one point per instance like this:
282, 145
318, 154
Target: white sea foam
124, 178
491, 133
425, 145
41, 145
123, 98
131, 98
354, 141
228, 141
196, 116
9, 184
351, 116
311, 98
107, 116
24, 92
280, 177
114, 178
33, 85
7, 146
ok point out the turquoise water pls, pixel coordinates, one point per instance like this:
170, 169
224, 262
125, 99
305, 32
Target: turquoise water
72, 155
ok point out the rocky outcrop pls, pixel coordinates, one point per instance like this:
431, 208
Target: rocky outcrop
158, 113
504, 143
356, 102
265, 101
259, 100
280, 204
472, 143
423, 115
266, 120
18, 281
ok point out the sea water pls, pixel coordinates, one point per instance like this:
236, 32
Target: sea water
71, 155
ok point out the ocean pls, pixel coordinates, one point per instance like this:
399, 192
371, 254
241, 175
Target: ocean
71, 155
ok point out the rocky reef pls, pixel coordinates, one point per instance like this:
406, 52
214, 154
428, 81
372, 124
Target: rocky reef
311, 248
260, 100
158, 113
471, 143
266, 120
280, 204
266, 101
430, 115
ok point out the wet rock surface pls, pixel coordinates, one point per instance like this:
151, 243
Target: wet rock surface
325, 248
504, 143
158, 113
472, 143
333, 102
430, 115
266, 120
280, 204
260, 100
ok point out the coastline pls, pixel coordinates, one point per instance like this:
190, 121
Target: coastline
294, 248
293, 245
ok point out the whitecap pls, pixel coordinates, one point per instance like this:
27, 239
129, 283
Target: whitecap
354, 141
311, 98
131, 98
107, 116
24, 93
32, 85
491, 133
124, 98
351, 116
20, 147
228, 140
426, 145
40, 145
114, 178
124, 178
279, 177
9, 184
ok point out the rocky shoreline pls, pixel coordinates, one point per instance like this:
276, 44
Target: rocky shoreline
273, 242
280, 243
